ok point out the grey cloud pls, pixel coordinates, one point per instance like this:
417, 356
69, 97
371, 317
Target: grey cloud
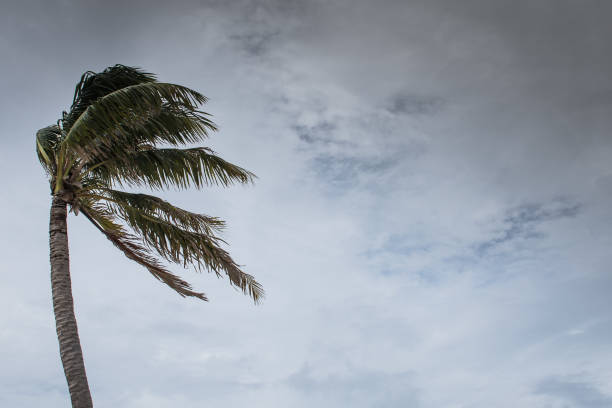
320, 133
598, 99
577, 394
399, 244
410, 104
255, 43
357, 388
342, 172
522, 222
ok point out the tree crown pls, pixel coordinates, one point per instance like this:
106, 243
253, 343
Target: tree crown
125, 128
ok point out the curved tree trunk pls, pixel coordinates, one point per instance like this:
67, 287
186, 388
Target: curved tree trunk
65, 321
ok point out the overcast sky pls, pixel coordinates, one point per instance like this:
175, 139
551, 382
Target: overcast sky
431, 222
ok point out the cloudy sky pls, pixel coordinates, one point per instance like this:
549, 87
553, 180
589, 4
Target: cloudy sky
431, 222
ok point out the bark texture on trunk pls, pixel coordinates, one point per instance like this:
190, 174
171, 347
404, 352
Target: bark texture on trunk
65, 321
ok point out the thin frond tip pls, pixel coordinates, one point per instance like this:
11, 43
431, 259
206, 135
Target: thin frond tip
129, 245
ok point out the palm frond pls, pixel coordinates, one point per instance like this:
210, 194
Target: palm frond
187, 247
176, 126
47, 143
114, 117
96, 85
156, 206
162, 168
133, 250
171, 125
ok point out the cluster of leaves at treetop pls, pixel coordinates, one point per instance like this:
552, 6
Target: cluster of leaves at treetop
125, 128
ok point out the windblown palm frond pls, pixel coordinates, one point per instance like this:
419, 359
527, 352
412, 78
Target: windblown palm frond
160, 168
47, 142
132, 113
131, 247
159, 208
95, 85
125, 128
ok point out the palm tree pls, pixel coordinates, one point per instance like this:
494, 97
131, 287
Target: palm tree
125, 129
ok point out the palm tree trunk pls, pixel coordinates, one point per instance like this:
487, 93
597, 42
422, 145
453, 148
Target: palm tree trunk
65, 321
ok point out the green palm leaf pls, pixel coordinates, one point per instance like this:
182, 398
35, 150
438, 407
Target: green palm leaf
113, 118
162, 168
131, 247
47, 141
156, 206
186, 246
96, 85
